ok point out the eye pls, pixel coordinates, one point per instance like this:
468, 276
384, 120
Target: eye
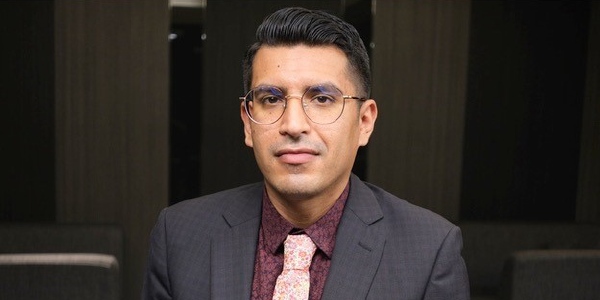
270, 99
323, 99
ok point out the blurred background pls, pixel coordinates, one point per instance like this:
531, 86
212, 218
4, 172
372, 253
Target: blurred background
489, 116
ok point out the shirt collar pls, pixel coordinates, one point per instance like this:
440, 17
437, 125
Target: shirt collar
322, 233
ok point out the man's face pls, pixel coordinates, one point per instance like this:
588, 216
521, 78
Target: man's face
299, 158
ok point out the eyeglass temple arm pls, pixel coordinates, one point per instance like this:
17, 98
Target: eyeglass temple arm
354, 97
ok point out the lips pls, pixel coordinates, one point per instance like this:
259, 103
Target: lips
296, 156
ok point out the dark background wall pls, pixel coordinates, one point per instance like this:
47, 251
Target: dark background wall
185, 63
27, 110
526, 85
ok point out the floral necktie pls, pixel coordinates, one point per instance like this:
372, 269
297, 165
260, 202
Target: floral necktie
294, 280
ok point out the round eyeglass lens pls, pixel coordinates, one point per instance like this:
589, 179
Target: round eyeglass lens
323, 104
265, 105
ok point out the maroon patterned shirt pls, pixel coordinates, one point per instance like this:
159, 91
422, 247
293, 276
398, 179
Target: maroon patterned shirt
269, 251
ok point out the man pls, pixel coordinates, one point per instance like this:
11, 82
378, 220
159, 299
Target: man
311, 229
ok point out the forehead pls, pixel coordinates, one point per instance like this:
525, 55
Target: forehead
300, 66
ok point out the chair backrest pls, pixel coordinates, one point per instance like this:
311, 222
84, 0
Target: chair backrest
552, 275
488, 245
59, 276
49, 261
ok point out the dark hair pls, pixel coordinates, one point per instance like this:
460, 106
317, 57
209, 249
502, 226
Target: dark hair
295, 25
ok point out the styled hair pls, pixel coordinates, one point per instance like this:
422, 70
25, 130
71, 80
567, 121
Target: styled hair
295, 25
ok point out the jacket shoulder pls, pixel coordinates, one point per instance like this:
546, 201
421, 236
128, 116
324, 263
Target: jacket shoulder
400, 212
208, 210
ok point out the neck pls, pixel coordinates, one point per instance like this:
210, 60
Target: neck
303, 211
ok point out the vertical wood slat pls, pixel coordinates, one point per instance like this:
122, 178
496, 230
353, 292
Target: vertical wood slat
419, 82
112, 120
588, 194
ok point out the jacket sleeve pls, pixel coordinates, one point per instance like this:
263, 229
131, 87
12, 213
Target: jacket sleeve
156, 280
449, 279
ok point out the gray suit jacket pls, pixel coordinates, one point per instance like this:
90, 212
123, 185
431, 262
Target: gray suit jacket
385, 248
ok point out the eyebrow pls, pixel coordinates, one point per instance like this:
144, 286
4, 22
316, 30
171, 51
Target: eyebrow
271, 85
285, 90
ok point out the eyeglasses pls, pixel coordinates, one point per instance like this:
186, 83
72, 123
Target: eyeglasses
322, 104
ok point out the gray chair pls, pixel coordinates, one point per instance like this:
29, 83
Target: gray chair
552, 275
59, 276
488, 245
48, 261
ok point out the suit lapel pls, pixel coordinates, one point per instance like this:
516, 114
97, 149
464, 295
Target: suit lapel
233, 251
359, 244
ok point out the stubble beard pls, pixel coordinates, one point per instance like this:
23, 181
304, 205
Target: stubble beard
295, 186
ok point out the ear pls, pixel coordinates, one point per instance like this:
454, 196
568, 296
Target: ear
247, 124
368, 115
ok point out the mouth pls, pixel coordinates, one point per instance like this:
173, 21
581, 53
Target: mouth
296, 156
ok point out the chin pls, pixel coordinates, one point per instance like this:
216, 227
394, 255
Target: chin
296, 185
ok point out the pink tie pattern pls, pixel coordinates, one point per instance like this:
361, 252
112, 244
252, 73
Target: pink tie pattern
294, 281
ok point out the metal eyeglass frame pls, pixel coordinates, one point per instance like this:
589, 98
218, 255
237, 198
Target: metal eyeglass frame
286, 97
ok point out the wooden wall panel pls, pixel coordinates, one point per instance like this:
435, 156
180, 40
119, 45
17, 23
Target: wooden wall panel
419, 82
588, 196
112, 120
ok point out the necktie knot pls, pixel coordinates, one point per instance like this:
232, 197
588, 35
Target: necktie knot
298, 252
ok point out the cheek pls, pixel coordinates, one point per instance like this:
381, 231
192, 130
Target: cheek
342, 141
261, 141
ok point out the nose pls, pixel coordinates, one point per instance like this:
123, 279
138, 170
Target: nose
294, 121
